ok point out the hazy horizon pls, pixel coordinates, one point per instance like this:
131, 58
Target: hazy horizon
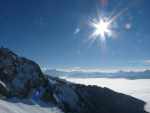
113, 70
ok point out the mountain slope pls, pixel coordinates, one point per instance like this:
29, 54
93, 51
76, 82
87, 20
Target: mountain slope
23, 79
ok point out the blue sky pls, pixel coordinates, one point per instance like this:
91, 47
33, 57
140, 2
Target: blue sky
55, 33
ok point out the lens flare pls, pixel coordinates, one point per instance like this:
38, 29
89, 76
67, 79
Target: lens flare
102, 29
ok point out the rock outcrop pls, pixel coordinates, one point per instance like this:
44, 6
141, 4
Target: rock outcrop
19, 74
23, 78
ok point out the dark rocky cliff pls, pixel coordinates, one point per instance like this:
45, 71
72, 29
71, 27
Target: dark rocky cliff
22, 78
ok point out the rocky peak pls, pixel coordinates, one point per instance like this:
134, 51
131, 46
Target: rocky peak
19, 74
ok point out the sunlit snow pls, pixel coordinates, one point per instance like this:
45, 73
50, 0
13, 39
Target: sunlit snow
20, 107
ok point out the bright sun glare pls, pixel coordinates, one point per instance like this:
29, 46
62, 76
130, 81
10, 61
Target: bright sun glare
102, 29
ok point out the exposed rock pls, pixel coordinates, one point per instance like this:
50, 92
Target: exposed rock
67, 98
47, 95
104, 100
19, 74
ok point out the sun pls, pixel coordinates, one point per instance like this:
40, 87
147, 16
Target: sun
102, 29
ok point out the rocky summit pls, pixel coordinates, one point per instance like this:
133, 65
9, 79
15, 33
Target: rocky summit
18, 75
23, 79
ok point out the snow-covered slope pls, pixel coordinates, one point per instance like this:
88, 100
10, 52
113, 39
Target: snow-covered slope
20, 107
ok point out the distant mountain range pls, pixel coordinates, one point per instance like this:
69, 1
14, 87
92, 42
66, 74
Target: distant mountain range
79, 74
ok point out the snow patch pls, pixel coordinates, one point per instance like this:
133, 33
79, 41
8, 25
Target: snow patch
20, 107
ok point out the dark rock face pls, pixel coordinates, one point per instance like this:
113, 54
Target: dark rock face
104, 100
20, 77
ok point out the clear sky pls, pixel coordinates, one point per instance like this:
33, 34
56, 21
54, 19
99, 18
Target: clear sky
57, 33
